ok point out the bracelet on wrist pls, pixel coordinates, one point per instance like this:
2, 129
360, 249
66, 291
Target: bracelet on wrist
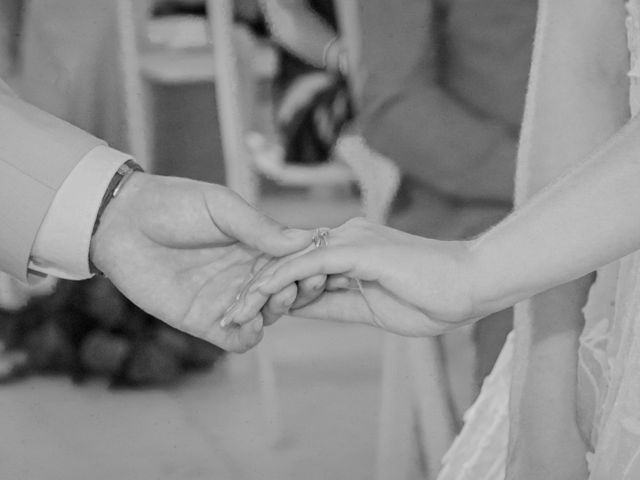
122, 175
326, 50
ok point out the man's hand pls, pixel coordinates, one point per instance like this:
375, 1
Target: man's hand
181, 250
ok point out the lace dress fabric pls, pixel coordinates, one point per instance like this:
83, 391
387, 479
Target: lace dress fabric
608, 370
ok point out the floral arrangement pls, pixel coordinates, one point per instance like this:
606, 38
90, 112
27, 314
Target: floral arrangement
88, 329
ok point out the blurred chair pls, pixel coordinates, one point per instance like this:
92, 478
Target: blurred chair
138, 66
129, 17
254, 152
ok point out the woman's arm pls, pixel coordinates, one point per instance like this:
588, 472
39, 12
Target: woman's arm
577, 99
298, 29
588, 218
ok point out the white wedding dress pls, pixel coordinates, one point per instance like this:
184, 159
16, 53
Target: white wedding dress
608, 384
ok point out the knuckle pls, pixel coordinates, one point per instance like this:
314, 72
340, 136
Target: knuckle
286, 302
317, 283
277, 302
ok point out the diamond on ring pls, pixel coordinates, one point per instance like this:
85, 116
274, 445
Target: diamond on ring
321, 238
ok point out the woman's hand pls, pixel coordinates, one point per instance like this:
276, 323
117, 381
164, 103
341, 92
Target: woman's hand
410, 285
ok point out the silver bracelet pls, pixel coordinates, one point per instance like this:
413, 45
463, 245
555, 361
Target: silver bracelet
325, 51
122, 175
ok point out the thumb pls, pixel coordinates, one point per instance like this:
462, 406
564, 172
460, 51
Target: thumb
240, 221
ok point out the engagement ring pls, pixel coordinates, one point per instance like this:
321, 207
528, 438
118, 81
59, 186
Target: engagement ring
321, 237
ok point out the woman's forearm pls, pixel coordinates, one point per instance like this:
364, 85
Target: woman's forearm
299, 29
588, 218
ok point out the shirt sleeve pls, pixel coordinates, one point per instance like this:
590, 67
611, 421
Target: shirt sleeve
61, 246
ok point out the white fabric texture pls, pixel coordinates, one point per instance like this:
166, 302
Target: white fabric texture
61, 247
610, 344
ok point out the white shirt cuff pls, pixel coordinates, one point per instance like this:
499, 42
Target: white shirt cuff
61, 246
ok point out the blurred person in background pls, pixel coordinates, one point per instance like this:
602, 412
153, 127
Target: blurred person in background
443, 88
309, 92
10, 19
562, 400
307, 29
311, 96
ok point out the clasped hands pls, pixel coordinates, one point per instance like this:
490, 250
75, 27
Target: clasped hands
183, 250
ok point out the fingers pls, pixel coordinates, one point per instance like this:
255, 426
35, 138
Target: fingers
253, 301
292, 296
203, 317
308, 270
279, 304
309, 290
337, 282
238, 338
329, 261
307, 267
233, 338
346, 306
240, 221
249, 335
